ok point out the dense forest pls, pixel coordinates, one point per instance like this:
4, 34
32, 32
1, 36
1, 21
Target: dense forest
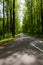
33, 17
21, 32
9, 18
10, 22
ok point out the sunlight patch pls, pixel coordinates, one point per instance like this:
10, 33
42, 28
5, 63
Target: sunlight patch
28, 59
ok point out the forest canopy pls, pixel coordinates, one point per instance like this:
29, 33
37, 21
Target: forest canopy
10, 21
33, 17
9, 18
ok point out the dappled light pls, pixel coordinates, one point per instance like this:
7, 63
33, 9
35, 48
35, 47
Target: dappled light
18, 59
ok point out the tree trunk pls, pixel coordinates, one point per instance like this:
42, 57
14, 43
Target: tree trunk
7, 17
31, 17
41, 16
13, 29
11, 20
3, 21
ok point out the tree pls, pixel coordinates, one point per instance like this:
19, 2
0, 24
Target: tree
3, 21
17, 19
42, 15
13, 28
33, 17
7, 14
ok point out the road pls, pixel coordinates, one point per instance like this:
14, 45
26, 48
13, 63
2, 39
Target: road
20, 52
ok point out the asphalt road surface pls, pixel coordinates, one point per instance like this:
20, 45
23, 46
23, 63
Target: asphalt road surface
20, 52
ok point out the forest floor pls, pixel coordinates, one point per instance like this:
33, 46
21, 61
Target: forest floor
21, 52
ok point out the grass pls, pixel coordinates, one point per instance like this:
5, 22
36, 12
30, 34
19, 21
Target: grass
5, 40
8, 39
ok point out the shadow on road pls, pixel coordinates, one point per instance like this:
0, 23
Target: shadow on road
18, 52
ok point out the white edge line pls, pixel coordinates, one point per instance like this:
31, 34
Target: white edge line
36, 47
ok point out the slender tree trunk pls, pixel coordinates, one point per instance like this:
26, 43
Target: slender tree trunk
31, 17
3, 21
13, 29
7, 17
31, 12
34, 20
41, 16
7, 22
11, 20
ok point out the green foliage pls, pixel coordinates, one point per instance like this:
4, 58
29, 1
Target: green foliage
32, 21
17, 20
8, 5
5, 40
